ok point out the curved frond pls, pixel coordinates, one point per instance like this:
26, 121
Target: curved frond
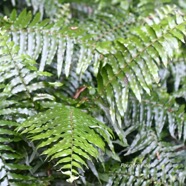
35, 38
144, 7
135, 65
134, 62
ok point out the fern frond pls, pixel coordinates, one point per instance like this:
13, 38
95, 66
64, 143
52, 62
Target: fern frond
12, 168
109, 59
19, 76
61, 42
44, 7
71, 137
160, 14
150, 113
37, 38
136, 64
49, 40
160, 163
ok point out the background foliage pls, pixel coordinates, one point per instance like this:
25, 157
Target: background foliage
92, 93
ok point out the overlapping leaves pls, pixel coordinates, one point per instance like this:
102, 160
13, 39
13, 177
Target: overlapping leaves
126, 64
67, 135
17, 73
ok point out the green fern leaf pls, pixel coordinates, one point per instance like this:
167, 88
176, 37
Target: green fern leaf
71, 136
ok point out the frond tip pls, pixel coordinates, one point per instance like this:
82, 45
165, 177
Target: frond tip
69, 136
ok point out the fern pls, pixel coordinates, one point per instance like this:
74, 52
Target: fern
156, 164
19, 73
12, 167
73, 135
56, 40
125, 66
91, 66
15, 78
157, 114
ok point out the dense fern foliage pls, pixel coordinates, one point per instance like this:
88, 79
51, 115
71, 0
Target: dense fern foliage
92, 93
